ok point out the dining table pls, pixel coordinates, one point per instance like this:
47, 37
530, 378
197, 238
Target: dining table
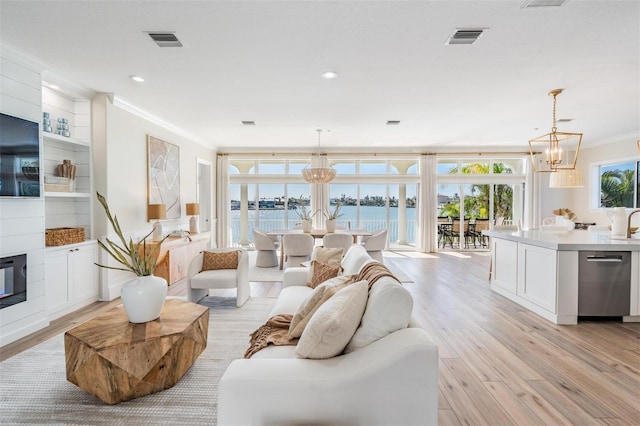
317, 234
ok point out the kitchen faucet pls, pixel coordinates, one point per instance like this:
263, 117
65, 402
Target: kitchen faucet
629, 222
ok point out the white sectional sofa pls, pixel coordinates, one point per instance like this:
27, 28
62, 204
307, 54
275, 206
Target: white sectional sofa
391, 381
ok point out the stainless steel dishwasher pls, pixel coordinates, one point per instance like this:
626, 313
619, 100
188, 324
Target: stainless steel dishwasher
604, 283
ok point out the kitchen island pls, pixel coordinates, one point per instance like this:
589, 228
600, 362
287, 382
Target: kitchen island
540, 270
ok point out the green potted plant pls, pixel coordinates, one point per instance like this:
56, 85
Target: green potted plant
142, 297
305, 217
331, 217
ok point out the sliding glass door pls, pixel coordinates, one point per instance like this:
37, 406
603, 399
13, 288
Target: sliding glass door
474, 195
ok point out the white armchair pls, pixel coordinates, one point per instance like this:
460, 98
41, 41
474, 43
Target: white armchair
375, 244
199, 282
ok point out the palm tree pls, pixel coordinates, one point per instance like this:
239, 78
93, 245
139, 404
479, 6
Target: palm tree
477, 203
616, 188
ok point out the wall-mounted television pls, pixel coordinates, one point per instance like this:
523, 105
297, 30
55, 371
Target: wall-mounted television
19, 157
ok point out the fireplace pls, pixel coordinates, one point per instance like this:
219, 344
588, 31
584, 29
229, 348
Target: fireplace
13, 280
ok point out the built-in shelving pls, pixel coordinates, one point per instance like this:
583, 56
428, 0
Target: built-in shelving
68, 208
54, 137
67, 194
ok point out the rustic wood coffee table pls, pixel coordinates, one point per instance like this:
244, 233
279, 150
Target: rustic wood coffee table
116, 361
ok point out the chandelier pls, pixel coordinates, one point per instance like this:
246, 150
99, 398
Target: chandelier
318, 174
555, 146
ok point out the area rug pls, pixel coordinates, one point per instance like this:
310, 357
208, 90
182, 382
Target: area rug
34, 388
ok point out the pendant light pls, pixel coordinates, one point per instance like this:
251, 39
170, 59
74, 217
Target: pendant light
555, 146
566, 179
319, 174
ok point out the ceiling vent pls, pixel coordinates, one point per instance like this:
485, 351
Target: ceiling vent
564, 120
165, 39
248, 123
543, 3
393, 122
465, 35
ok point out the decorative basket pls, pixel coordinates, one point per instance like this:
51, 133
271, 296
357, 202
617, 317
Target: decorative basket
54, 187
57, 184
63, 236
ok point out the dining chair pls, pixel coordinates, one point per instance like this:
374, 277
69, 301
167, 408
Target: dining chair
445, 234
375, 244
297, 248
481, 225
470, 233
266, 247
343, 241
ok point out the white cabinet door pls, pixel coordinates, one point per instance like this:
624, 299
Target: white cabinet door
85, 273
71, 278
504, 264
57, 291
537, 276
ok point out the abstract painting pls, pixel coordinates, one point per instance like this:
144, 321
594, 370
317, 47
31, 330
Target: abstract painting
164, 175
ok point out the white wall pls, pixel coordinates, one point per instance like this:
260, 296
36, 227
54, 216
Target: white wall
578, 199
120, 158
22, 220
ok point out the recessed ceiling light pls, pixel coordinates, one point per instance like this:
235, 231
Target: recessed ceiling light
136, 78
329, 75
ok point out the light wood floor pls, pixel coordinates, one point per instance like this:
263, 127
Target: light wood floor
499, 363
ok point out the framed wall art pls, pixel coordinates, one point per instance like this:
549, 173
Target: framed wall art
164, 175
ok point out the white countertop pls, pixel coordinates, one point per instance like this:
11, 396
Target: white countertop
569, 241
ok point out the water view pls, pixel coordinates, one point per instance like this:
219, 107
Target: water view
371, 218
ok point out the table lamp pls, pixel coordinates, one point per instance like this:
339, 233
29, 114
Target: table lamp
193, 210
157, 212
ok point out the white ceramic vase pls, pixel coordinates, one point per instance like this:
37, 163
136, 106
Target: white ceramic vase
330, 224
143, 298
306, 226
619, 222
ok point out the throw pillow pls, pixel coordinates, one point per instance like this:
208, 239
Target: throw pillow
332, 326
219, 260
318, 296
322, 272
332, 256
388, 309
328, 256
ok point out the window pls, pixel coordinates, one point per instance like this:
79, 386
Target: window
265, 194
618, 184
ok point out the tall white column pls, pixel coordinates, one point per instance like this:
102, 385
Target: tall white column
402, 166
402, 214
244, 215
